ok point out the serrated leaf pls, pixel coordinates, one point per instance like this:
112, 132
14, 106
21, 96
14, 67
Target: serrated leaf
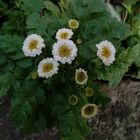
73, 126
52, 7
124, 60
95, 5
5, 83
88, 49
3, 59
12, 46
25, 63
60, 104
8, 67
20, 109
32, 6
102, 99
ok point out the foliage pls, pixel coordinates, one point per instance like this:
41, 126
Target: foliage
37, 103
129, 12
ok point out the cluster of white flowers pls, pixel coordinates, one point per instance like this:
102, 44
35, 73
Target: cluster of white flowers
65, 51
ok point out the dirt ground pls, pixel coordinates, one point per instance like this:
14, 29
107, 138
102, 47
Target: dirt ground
121, 121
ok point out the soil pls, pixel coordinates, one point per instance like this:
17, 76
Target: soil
121, 121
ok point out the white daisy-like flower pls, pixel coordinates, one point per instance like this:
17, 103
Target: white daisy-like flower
64, 51
106, 52
47, 67
64, 34
33, 45
81, 76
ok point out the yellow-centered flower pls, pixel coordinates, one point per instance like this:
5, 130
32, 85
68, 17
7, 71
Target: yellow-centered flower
73, 24
64, 34
106, 52
47, 67
81, 76
73, 100
89, 111
64, 51
33, 45
89, 91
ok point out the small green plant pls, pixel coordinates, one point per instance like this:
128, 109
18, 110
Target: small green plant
129, 11
52, 56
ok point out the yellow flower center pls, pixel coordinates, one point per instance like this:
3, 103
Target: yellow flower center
89, 110
89, 92
47, 67
33, 45
106, 52
73, 24
64, 35
81, 76
64, 51
73, 100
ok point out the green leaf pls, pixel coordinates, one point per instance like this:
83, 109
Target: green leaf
8, 67
95, 5
12, 46
52, 7
102, 99
136, 25
72, 8
3, 59
9, 25
25, 63
23, 101
5, 83
73, 126
20, 109
44, 25
32, 6
60, 104
88, 49
124, 61
128, 4
95, 29
37, 24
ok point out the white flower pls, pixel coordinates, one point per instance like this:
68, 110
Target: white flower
81, 76
106, 52
47, 67
64, 34
33, 45
64, 51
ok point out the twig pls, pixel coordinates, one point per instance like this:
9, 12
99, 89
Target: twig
125, 16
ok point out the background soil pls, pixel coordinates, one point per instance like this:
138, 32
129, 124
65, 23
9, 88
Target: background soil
121, 121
